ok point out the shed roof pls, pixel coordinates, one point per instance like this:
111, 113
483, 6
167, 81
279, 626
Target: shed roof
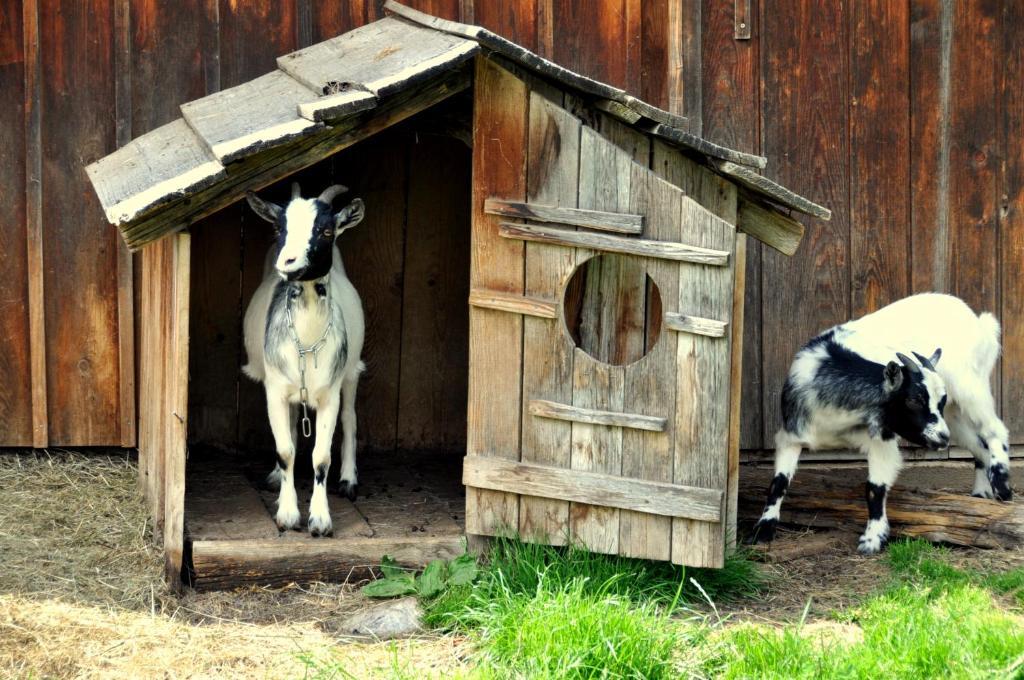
327, 96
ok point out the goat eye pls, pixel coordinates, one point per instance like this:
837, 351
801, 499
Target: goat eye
327, 231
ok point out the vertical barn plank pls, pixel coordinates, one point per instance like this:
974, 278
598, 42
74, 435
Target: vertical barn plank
600, 39
252, 35
552, 172
931, 39
334, 18
704, 379
15, 357
879, 154
495, 338
731, 98
974, 159
80, 250
34, 223
125, 266
685, 25
176, 426
649, 385
805, 121
516, 21
434, 352
603, 185
1011, 214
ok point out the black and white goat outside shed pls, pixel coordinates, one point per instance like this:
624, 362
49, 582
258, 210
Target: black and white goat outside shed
588, 391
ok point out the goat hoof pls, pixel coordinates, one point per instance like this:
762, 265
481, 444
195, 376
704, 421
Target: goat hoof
872, 545
999, 477
764, 532
349, 490
983, 494
286, 520
318, 528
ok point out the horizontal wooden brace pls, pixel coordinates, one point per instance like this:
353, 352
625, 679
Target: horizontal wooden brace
592, 488
695, 324
511, 302
615, 244
577, 414
622, 223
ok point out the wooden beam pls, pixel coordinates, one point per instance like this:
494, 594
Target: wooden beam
593, 488
695, 324
600, 220
615, 244
229, 564
577, 414
835, 499
513, 302
770, 227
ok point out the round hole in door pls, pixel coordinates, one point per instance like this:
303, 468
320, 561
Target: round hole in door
612, 309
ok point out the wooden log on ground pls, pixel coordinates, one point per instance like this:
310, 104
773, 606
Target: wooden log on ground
834, 498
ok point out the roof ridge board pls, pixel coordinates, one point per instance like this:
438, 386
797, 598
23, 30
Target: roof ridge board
252, 116
671, 126
379, 57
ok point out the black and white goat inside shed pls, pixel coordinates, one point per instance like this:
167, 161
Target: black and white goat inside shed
491, 177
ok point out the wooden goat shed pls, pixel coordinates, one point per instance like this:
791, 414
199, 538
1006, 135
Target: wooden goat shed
589, 391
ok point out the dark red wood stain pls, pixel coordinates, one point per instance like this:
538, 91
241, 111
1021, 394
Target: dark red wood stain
15, 373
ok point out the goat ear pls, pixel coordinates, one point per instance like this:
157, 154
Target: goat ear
936, 355
892, 376
265, 209
349, 216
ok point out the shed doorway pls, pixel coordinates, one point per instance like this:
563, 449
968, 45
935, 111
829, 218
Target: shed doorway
409, 260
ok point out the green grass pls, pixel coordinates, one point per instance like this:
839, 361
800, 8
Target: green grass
933, 621
524, 569
544, 612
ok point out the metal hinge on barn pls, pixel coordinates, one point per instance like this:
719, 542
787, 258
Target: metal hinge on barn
586, 206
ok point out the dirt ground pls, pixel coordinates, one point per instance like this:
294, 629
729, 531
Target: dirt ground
82, 595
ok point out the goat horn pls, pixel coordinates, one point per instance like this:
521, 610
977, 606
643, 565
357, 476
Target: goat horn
296, 192
906, 361
331, 192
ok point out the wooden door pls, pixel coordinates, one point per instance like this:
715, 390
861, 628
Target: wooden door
627, 458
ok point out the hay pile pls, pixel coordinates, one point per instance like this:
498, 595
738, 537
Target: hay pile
82, 592
74, 527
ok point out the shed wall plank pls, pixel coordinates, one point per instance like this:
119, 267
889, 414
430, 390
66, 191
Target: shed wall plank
553, 163
650, 385
434, 352
500, 127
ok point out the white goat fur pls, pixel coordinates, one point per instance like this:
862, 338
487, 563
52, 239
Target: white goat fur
325, 396
920, 323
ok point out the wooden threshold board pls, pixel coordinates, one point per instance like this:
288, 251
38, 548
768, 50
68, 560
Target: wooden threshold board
410, 507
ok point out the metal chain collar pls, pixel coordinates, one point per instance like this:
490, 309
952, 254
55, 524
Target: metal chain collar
307, 424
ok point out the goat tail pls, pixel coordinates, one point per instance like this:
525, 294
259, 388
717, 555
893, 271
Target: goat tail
988, 345
253, 371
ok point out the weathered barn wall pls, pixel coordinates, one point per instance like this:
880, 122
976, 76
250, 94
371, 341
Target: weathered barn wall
904, 118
